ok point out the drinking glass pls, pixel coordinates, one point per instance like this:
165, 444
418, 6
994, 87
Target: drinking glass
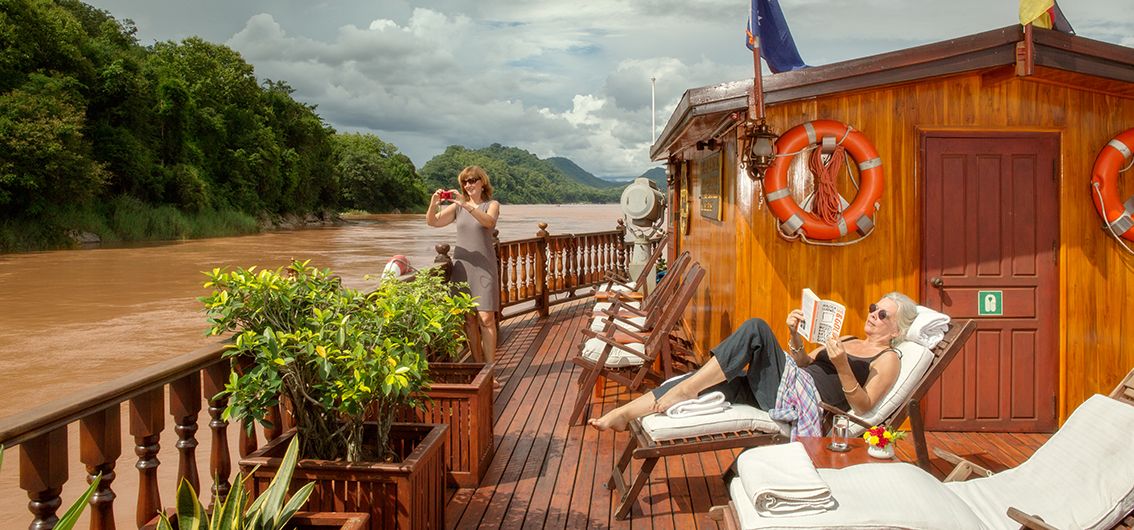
840, 430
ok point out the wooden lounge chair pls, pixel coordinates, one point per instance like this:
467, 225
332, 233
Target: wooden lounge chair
641, 316
631, 364
648, 444
1082, 477
619, 282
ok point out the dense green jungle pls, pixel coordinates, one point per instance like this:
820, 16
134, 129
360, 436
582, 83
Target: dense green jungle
102, 137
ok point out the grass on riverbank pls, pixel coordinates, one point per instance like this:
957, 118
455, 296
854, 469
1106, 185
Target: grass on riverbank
122, 219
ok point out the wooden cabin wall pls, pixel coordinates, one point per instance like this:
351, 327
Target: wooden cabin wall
1096, 277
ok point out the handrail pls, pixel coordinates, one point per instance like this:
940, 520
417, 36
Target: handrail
537, 268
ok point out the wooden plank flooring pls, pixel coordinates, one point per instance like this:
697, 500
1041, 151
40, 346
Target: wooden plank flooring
547, 474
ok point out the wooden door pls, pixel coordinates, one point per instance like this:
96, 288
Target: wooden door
990, 248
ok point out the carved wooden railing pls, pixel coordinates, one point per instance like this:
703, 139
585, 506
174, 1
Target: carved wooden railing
537, 269
531, 270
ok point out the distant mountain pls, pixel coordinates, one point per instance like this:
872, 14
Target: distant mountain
519, 177
578, 174
657, 175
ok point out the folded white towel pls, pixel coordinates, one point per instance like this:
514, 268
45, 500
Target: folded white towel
928, 327
710, 403
781, 481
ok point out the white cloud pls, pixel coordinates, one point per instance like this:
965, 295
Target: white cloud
555, 77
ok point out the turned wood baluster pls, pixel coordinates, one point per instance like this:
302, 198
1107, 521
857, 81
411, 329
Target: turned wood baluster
220, 463
525, 268
513, 264
274, 428
566, 262
621, 247
184, 405
100, 445
502, 256
43, 471
556, 263
530, 258
147, 420
443, 261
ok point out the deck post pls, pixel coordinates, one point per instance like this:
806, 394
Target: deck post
100, 446
147, 421
541, 275
43, 471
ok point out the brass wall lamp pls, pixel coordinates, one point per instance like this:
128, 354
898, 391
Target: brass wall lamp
761, 152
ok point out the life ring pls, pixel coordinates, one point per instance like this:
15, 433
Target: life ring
859, 215
397, 266
1114, 157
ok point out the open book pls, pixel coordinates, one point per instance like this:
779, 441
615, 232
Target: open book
822, 319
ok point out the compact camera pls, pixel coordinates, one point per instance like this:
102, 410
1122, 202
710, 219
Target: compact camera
446, 195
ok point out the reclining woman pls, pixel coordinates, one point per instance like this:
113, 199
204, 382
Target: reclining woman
848, 373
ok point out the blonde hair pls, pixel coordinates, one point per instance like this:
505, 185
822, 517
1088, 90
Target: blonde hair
475, 171
907, 311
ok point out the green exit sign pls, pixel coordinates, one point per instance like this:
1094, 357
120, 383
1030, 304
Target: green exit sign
990, 303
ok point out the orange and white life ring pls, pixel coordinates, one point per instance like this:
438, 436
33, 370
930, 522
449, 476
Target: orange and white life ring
1114, 157
859, 215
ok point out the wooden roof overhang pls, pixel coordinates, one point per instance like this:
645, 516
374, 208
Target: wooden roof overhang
1047, 56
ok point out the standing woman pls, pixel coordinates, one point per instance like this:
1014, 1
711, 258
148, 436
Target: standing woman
474, 258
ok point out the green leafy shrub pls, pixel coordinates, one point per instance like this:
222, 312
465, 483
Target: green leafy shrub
334, 353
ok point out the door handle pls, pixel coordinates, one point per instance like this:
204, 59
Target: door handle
937, 282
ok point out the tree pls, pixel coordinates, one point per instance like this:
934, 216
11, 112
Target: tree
374, 176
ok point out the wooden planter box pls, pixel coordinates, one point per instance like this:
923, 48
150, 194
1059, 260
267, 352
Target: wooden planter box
406, 495
301, 521
460, 396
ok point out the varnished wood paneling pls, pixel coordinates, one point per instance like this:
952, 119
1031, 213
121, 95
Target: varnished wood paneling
767, 272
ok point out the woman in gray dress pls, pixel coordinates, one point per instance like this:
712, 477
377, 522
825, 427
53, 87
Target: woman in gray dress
474, 259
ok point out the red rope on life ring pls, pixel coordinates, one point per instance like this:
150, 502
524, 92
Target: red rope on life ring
858, 216
1118, 215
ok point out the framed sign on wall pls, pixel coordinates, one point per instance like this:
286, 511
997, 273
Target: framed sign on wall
709, 173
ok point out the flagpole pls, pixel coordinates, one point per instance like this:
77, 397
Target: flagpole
756, 101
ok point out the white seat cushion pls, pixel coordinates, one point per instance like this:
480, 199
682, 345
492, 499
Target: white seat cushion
1083, 477
603, 306
618, 357
915, 361
737, 418
599, 324
896, 495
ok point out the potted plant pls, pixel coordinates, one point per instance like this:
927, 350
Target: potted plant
268, 512
459, 393
338, 357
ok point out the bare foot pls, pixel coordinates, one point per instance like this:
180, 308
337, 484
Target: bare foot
675, 395
612, 420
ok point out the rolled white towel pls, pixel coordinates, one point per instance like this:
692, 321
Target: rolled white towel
710, 403
928, 327
780, 480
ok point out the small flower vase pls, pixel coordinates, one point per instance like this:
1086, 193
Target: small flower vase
884, 453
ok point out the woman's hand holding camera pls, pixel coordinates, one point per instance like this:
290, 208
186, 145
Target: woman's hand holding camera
444, 196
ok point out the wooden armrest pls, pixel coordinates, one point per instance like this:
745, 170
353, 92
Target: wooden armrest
618, 309
1028, 521
962, 467
609, 339
840, 412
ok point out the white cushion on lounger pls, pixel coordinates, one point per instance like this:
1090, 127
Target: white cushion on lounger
896, 495
603, 306
915, 361
1083, 477
599, 324
618, 357
737, 418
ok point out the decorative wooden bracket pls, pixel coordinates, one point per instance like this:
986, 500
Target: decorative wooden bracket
1026, 54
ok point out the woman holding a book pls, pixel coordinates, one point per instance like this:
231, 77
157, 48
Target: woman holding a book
748, 365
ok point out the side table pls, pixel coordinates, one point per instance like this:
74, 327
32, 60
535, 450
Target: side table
822, 457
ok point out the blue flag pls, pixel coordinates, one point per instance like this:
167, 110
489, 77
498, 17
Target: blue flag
766, 22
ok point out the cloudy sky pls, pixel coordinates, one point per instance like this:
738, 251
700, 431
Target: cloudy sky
556, 77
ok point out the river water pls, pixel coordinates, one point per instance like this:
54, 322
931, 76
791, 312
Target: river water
76, 318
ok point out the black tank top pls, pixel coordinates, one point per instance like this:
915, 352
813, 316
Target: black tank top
827, 378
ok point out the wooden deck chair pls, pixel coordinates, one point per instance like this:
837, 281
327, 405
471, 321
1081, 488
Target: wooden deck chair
656, 436
1081, 477
617, 281
631, 364
641, 316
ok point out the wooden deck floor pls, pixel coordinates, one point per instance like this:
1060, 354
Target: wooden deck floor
547, 474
